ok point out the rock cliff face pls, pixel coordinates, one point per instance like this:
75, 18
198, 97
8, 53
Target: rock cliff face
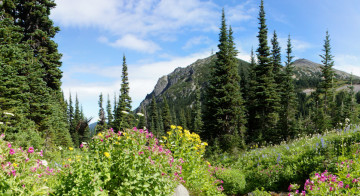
179, 86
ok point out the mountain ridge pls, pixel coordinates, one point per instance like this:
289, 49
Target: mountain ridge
180, 84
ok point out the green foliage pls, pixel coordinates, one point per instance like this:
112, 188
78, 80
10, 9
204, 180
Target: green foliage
24, 170
189, 149
121, 164
166, 115
224, 110
275, 167
264, 120
288, 106
122, 116
233, 180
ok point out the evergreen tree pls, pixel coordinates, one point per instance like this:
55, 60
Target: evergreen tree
182, 118
276, 59
142, 120
123, 117
166, 115
198, 123
174, 119
266, 100
224, 112
154, 118
101, 125
38, 31
70, 112
73, 131
288, 109
109, 112
325, 91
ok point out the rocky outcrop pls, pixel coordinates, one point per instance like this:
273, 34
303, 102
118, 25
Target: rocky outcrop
181, 191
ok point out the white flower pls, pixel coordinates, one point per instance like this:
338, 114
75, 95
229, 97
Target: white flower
60, 148
44, 162
10, 114
1, 123
140, 114
84, 143
124, 112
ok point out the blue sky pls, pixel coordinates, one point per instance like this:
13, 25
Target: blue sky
158, 36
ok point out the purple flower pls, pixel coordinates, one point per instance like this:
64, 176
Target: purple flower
31, 150
12, 151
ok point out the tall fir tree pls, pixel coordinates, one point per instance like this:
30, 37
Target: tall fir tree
43, 59
101, 125
266, 100
325, 92
123, 117
109, 113
182, 118
154, 118
224, 111
198, 122
166, 115
276, 59
288, 109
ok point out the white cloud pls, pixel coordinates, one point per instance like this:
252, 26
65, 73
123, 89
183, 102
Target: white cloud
196, 41
241, 12
298, 45
347, 63
141, 17
133, 43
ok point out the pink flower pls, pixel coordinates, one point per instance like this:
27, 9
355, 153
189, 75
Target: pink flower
140, 153
12, 151
13, 172
81, 145
31, 150
331, 188
41, 153
348, 176
9, 145
347, 186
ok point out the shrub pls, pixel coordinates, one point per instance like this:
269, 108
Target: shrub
189, 149
124, 163
233, 181
24, 171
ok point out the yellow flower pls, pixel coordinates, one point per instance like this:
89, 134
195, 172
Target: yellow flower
69, 159
100, 134
116, 142
71, 148
173, 127
78, 157
165, 138
179, 127
15, 165
106, 154
169, 132
118, 138
207, 162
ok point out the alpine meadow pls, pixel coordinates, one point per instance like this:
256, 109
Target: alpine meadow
233, 121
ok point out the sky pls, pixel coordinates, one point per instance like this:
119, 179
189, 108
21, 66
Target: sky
157, 36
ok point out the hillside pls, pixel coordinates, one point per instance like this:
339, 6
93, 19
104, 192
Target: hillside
179, 85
